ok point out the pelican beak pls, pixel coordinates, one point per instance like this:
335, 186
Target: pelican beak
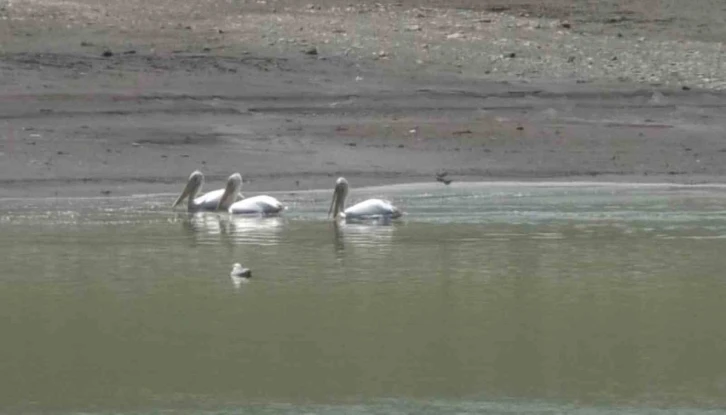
231, 192
184, 194
334, 204
230, 195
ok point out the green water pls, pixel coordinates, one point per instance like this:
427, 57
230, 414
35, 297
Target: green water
487, 298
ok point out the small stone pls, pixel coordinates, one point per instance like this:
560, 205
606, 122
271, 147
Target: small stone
413, 28
312, 50
511, 55
107, 53
566, 25
686, 88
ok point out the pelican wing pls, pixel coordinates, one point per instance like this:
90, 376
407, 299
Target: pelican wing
265, 205
209, 200
372, 208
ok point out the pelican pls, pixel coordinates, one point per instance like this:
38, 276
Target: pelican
261, 205
208, 201
367, 209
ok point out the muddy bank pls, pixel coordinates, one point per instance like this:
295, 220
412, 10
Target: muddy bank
294, 115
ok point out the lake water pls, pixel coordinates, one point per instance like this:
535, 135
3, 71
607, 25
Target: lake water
501, 298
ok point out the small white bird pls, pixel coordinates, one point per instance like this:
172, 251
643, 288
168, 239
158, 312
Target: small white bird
367, 209
240, 272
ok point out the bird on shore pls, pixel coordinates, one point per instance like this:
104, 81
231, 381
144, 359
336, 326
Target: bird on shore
256, 205
441, 177
209, 201
368, 209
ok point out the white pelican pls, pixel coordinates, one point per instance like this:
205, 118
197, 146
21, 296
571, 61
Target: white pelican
260, 205
367, 209
208, 201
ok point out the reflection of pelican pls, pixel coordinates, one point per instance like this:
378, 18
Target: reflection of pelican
368, 209
257, 205
208, 201
200, 222
356, 234
203, 227
255, 230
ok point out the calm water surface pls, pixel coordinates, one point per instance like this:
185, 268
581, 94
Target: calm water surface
487, 298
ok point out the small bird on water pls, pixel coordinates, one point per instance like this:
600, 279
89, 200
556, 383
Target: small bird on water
240, 272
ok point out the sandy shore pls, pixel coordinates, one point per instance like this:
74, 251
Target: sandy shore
98, 97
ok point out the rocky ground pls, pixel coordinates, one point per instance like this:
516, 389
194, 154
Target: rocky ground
112, 98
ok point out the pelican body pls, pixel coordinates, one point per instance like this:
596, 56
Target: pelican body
257, 205
209, 201
367, 209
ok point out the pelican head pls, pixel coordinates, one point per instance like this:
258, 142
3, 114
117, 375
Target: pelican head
337, 205
194, 184
231, 191
240, 272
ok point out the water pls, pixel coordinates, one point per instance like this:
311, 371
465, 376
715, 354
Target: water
488, 298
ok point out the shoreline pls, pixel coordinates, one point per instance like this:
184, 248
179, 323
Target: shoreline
136, 190
203, 91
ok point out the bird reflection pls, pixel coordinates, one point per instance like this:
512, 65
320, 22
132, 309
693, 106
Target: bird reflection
375, 235
254, 230
211, 227
239, 282
202, 226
